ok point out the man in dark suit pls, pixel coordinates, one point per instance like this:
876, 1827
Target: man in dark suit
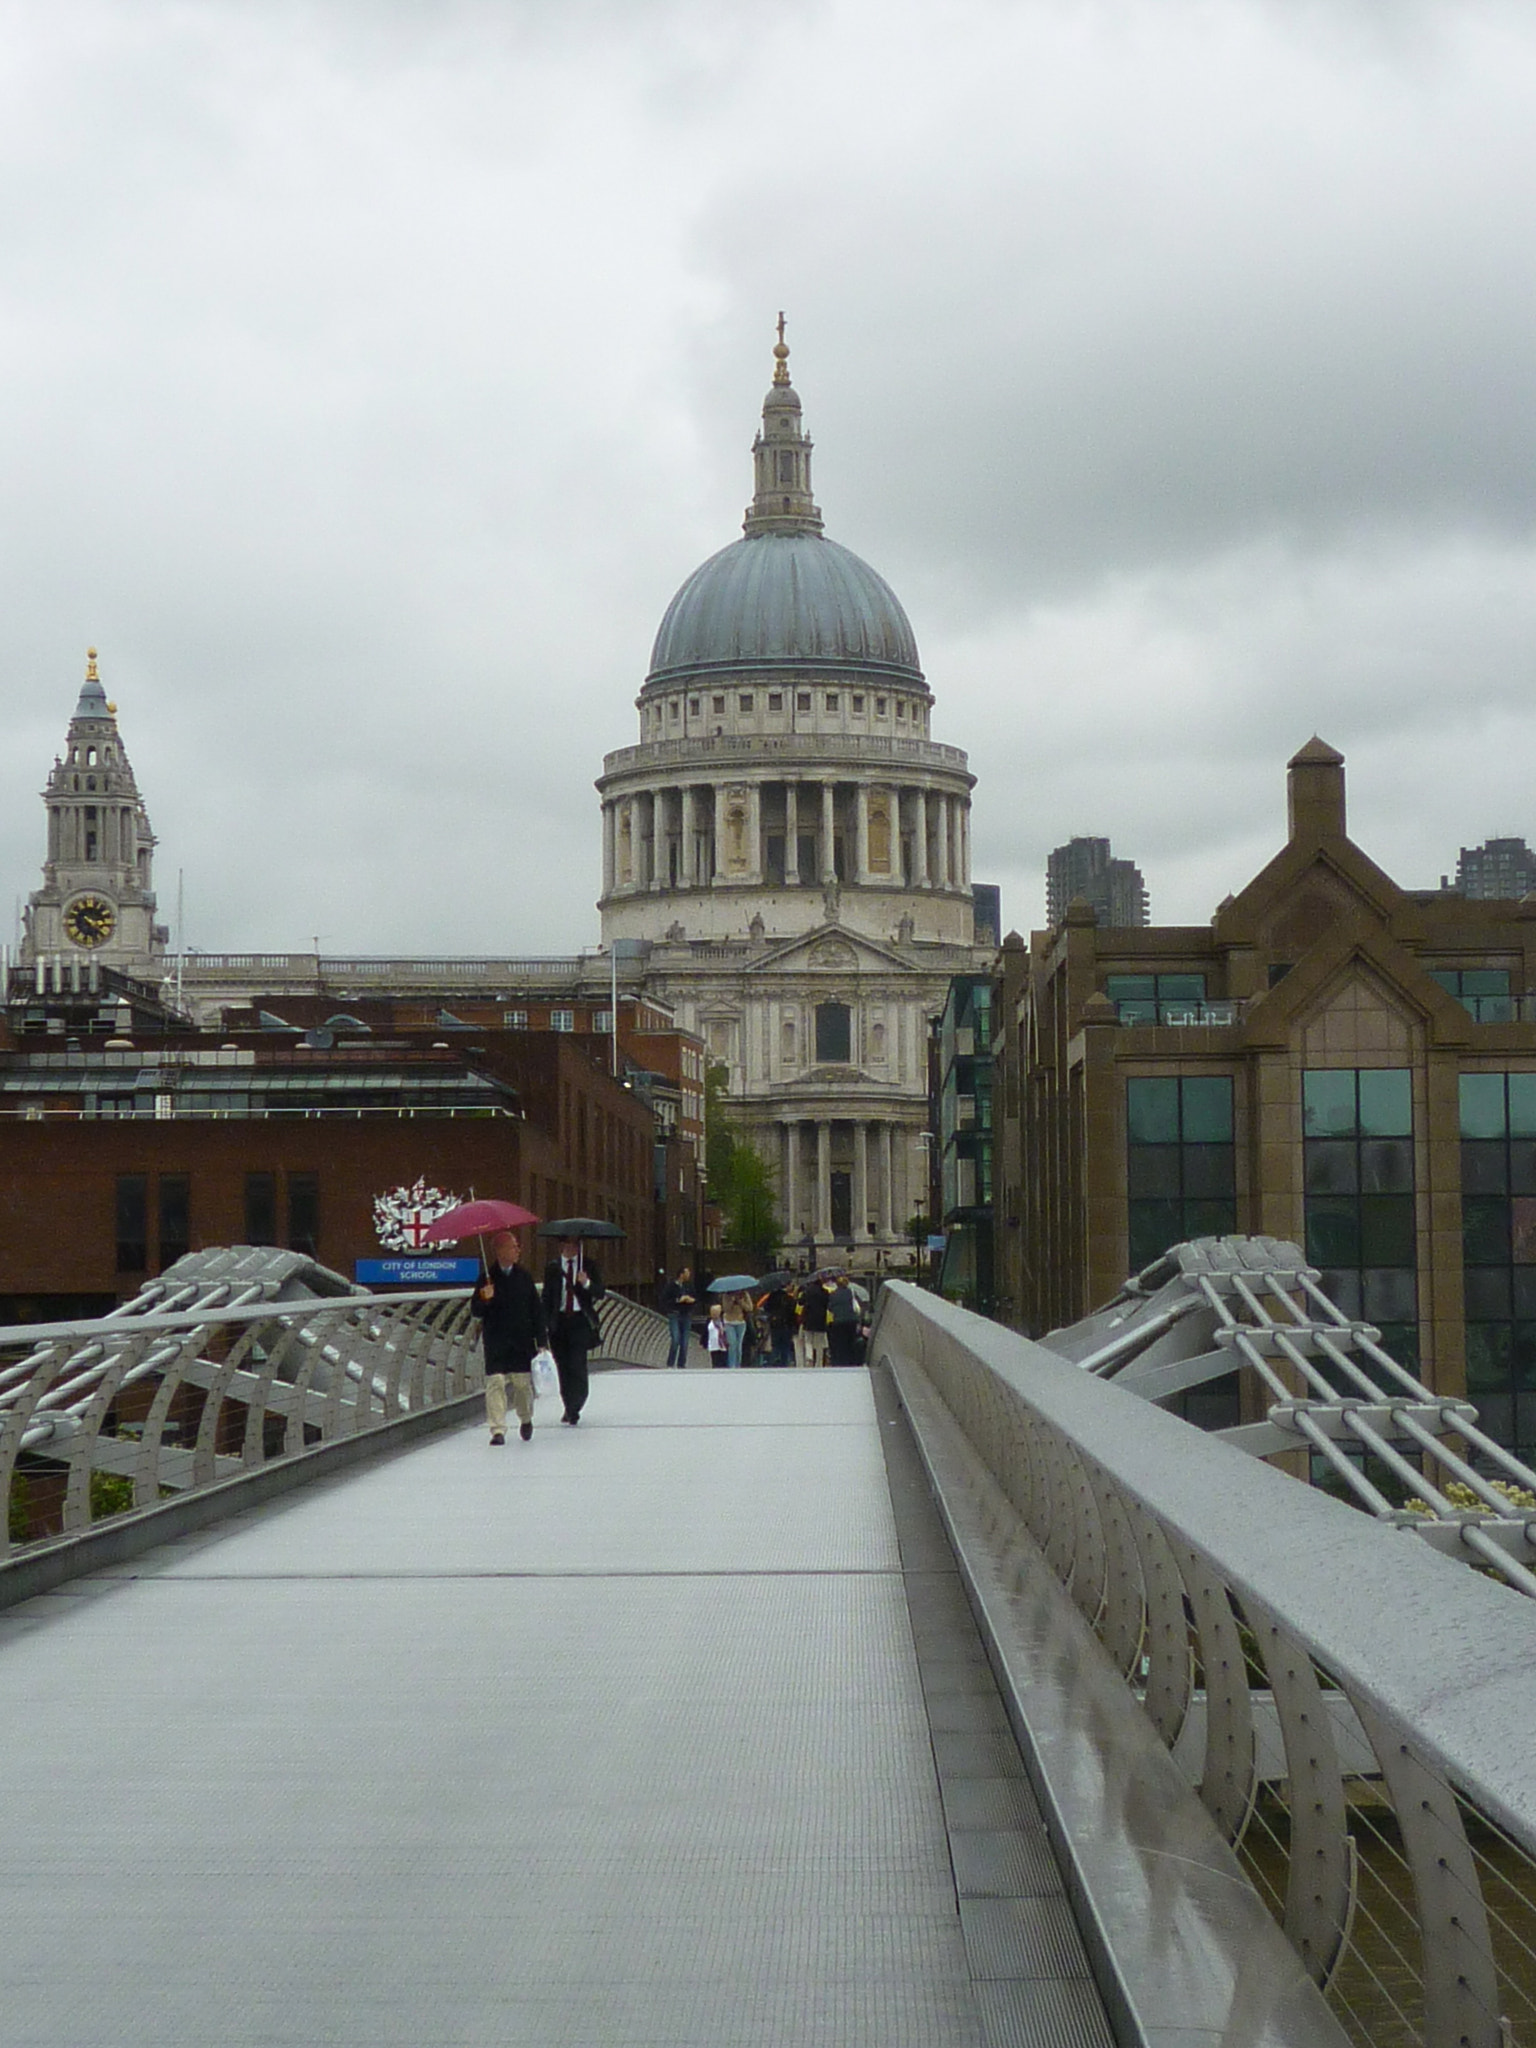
572, 1289
511, 1315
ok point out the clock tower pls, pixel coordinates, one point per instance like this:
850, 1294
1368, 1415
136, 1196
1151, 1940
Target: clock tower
96, 901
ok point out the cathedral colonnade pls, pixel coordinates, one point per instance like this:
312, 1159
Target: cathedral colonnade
805, 831
846, 1178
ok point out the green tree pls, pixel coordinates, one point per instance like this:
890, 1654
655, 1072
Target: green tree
740, 1179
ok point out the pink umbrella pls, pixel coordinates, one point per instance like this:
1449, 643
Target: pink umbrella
476, 1219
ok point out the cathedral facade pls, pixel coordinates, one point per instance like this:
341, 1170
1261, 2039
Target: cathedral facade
787, 848
97, 899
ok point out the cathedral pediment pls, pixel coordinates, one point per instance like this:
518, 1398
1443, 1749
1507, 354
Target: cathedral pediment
831, 949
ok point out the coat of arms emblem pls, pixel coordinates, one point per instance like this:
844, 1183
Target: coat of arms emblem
401, 1217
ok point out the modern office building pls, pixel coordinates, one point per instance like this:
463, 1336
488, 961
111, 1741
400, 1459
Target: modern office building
1500, 868
1332, 1059
962, 1071
1084, 870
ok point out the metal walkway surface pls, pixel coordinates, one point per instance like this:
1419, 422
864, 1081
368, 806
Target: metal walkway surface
616, 1737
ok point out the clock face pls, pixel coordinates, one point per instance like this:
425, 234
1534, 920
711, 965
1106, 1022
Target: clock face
90, 921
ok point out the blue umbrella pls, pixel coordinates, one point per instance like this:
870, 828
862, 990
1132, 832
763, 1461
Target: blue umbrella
733, 1283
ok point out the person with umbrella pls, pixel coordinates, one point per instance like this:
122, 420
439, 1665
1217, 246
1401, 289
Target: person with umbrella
506, 1304
573, 1287
735, 1292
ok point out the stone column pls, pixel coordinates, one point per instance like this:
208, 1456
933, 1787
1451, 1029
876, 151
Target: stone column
823, 1209
648, 839
755, 829
965, 840
791, 832
920, 838
791, 1179
685, 829
861, 1181
887, 1192
608, 849
828, 830
716, 817
941, 843
861, 833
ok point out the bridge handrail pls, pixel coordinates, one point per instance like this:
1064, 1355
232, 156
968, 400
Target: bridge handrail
1186, 1555
235, 1375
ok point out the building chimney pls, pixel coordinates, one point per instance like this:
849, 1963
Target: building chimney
1315, 792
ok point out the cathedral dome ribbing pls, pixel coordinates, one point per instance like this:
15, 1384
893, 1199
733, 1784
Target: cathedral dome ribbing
776, 600
784, 596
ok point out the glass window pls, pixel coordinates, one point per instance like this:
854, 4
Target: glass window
775, 700
562, 1020
1386, 1166
1206, 1108
1386, 1230
1328, 1104
719, 703
304, 1213
1152, 1110
803, 700
175, 1198
132, 1211
1181, 1178
831, 700
1332, 1166
1483, 1110
1131, 988
261, 1208
515, 1020
1386, 1103
834, 1033
1522, 1105
744, 701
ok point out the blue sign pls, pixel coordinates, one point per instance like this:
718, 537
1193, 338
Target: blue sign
936, 1242
411, 1272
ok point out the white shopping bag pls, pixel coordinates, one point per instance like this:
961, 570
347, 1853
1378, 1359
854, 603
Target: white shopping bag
546, 1379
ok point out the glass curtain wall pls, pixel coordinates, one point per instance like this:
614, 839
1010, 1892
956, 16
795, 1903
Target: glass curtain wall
1498, 1224
1357, 1127
1181, 1165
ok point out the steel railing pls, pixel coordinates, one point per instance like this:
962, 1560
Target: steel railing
1353, 1708
196, 1381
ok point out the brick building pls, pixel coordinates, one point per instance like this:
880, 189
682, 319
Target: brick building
1333, 1059
119, 1154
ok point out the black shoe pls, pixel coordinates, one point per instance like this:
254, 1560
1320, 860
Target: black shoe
567, 1418
526, 1431
497, 1437
574, 1419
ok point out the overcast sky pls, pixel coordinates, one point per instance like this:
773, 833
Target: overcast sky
372, 372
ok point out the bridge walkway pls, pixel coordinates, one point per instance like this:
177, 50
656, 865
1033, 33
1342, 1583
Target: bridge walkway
674, 1729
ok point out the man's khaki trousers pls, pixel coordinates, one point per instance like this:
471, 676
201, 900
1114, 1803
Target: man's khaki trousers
498, 1385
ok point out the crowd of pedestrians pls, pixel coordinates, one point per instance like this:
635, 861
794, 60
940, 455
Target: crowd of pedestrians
808, 1319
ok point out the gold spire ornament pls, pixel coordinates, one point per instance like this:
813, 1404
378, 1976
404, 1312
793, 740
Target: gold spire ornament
781, 356
90, 666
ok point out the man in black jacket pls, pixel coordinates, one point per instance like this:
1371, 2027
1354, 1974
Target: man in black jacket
572, 1289
511, 1318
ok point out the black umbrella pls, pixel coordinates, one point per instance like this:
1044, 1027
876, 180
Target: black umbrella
579, 1226
772, 1282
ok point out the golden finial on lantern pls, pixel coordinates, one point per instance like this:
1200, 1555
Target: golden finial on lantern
90, 666
781, 356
